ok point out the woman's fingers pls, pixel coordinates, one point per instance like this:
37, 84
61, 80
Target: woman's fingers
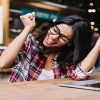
33, 17
33, 14
29, 15
28, 20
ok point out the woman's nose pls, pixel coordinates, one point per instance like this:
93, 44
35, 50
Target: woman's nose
55, 37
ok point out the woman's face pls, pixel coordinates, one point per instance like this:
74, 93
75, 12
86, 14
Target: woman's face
58, 36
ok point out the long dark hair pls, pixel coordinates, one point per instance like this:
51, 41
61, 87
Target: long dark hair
81, 44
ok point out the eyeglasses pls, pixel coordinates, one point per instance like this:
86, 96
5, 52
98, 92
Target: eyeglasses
62, 38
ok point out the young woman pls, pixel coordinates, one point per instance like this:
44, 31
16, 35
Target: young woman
64, 50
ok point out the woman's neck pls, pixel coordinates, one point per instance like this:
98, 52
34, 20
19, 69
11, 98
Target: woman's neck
48, 65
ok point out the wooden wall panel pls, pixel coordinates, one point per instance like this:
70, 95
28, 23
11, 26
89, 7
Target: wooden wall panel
6, 7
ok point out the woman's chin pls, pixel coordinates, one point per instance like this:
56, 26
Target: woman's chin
45, 44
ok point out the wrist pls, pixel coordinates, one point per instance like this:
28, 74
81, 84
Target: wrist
27, 28
25, 31
97, 45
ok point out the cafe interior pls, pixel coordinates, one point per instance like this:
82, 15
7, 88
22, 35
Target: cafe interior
47, 11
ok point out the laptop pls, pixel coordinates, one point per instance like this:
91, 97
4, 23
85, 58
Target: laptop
87, 84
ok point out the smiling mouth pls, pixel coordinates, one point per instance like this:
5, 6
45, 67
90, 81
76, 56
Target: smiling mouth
49, 41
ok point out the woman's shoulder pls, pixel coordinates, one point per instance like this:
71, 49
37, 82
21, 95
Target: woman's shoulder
32, 38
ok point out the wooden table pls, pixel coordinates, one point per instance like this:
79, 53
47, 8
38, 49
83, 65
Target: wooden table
46, 90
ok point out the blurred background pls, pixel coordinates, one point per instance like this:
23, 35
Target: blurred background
46, 12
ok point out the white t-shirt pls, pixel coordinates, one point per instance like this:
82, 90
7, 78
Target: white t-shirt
46, 75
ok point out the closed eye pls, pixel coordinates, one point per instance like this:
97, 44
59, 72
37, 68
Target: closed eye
64, 38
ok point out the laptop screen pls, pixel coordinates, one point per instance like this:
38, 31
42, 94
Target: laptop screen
87, 84
95, 85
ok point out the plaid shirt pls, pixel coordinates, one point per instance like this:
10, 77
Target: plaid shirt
31, 60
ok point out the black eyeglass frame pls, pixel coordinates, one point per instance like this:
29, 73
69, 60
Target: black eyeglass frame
61, 36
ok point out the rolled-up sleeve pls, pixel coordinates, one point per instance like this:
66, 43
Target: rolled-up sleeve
76, 73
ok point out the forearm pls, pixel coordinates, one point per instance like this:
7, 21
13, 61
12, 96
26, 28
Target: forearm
91, 59
10, 53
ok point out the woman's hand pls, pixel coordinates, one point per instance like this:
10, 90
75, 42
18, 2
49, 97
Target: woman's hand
28, 20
